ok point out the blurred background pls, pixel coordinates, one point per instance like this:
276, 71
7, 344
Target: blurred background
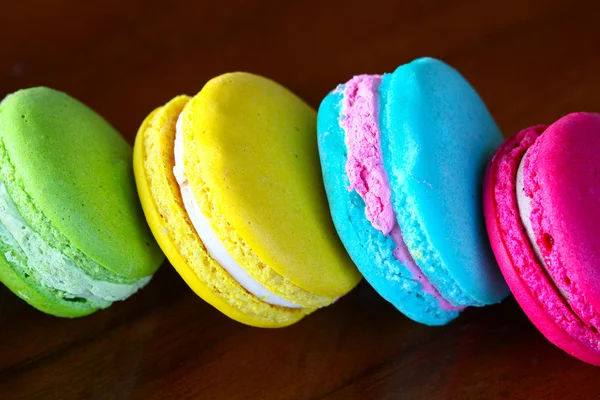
531, 61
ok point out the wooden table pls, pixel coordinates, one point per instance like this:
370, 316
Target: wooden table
532, 61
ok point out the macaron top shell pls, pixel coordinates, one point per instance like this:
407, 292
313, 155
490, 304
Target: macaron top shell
77, 169
262, 173
431, 113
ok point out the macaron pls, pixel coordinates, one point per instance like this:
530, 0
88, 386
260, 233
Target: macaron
230, 184
73, 238
403, 156
542, 209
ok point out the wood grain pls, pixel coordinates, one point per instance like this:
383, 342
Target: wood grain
532, 61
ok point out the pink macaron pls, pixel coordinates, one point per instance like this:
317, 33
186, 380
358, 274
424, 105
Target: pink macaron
542, 211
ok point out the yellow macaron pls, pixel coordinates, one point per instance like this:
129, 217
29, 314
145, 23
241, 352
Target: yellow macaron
230, 184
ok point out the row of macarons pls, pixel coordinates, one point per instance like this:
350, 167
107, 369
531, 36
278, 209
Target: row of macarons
269, 210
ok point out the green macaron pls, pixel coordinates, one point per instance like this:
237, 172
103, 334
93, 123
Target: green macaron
73, 238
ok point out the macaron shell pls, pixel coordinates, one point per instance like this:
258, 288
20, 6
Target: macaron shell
163, 207
78, 171
567, 171
370, 249
437, 136
529, 283
261, 164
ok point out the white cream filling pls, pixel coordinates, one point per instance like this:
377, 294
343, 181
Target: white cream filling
213, 245
524, 205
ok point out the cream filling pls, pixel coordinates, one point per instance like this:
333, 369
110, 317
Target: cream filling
213, 245
524, 205
27, 249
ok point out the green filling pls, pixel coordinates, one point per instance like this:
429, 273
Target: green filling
26, 249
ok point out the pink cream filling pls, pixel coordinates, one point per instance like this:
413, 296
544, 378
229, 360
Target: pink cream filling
367, 175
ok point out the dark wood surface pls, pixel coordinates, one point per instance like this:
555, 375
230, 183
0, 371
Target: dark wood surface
532, 61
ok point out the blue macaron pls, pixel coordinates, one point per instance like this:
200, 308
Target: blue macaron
403, 157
